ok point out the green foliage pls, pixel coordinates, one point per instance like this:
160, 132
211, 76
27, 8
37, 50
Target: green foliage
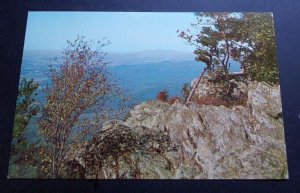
261, 62
185, 91
25, 108
22, 158
214, 43
246, 37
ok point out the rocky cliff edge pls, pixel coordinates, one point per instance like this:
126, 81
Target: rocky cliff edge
163, 141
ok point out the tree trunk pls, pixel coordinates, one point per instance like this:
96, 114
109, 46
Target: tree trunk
195, 86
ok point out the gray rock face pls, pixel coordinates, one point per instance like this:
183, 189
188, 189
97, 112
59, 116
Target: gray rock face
265, 98
205, 88
160, 141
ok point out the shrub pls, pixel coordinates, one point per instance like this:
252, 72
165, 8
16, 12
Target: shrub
185, 91
173, 99
227, 102
209, 100
162, 96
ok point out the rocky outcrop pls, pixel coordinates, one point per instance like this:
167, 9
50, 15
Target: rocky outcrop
159, 141
207, 88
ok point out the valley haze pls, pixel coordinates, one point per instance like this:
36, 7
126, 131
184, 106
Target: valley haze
123, 58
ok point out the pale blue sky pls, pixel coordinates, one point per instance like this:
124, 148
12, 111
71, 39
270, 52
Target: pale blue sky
128, 31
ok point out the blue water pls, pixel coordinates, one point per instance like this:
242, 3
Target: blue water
139, 81
143, 82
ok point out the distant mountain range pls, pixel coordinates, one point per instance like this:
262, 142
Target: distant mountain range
125, 58
149, 56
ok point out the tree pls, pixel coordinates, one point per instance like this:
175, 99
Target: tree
185, 92
75, 100
217, 42
260, 63
222, 37
21, 157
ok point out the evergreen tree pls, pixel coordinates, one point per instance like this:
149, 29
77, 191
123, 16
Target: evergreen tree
22, 159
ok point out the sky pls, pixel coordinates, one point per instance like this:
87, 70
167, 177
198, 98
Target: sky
127, 31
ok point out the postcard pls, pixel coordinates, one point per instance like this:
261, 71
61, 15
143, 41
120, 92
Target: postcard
149, 95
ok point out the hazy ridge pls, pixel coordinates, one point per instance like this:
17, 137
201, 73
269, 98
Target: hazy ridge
140, 74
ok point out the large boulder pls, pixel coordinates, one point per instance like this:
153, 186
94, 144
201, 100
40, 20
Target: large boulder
159, 141
266, 98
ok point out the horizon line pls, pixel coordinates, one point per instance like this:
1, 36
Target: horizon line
144, 50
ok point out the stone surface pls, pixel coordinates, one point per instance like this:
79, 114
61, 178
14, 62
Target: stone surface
163, 141
206, 88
